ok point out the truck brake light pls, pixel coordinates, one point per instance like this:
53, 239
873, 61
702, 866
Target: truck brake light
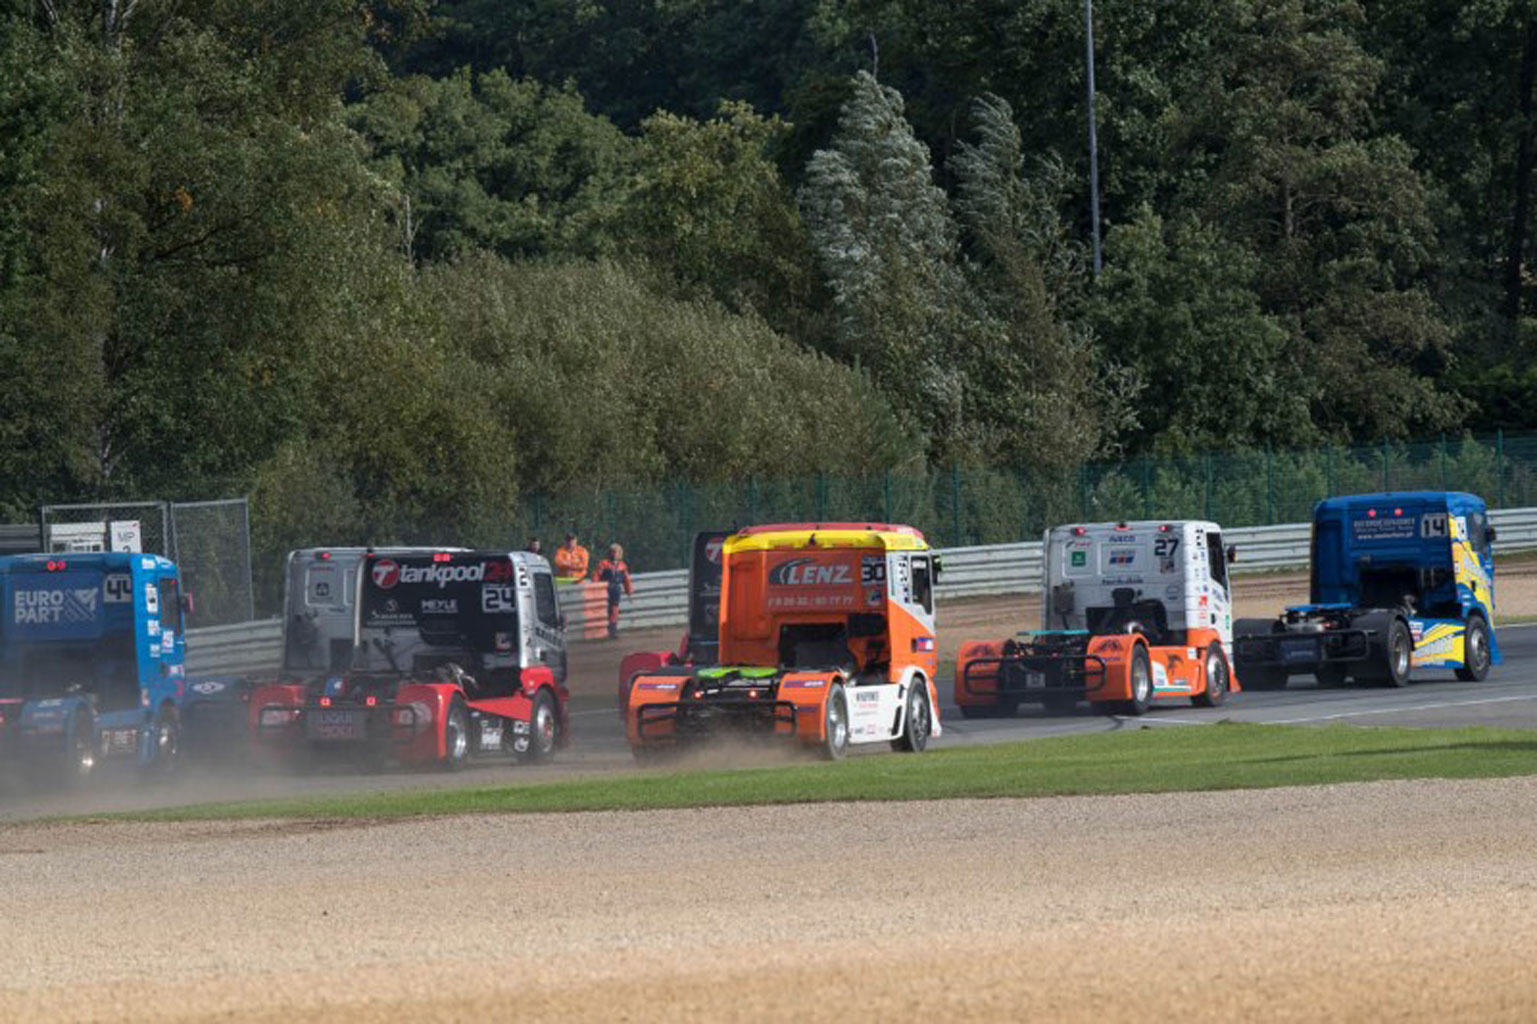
56, 565
1079, 531
441, 556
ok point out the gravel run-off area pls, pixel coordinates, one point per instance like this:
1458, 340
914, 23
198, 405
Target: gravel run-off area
1384, 901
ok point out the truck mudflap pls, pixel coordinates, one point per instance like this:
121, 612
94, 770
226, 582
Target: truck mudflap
692, 719
1038, 677
1301, 651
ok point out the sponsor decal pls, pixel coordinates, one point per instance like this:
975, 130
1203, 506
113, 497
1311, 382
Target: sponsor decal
668, 687
168, 640
118, 588
1383, 527
447, 606
1168, 566
152, 599
866, 696
805, 572
67, 605
873, 597
1078, 559
1172, 591
712, 549
1123, 558
1121, 581
1203, 602
1122, 538
207, 687
387, 573
496, 599
923, 644
152, 627
814, 601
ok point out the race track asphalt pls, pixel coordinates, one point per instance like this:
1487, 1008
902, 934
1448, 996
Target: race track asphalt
1507, 698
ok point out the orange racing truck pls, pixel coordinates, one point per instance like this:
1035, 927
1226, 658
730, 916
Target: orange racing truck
1132, 614
826, 638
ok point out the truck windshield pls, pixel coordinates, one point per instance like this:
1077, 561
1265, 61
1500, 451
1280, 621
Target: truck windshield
431, 609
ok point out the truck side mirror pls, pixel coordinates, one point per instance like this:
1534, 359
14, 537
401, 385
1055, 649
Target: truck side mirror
939, 563
188, 606
1232, 553
1490, 532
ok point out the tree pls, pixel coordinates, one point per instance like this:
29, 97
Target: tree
1038, 382
709, 204
888, 248
483, 161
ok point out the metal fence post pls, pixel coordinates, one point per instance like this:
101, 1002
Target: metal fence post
886, 492
1147, 487
822, 497
1385, 457
1499, 466
1209, 481
1443, 462
1083, 491
1269, 488
955, 503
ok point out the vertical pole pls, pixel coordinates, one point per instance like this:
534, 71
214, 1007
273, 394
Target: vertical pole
822, 497
1385, 485
1209, 481
612, 515
538, 503
1499, 465
250, 583
1083, 491
1329, 472
1088, 25
886, 492
1269, 488
1443, 461
1147, 487
955, 503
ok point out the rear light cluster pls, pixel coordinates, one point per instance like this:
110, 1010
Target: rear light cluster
56, 565
442, 556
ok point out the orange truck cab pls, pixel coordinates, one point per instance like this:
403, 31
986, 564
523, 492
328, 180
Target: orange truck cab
826, 638
1132, 614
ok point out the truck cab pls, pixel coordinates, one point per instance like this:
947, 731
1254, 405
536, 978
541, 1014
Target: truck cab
454, 653
1400, 583
825, 636
1131, 614
92, 663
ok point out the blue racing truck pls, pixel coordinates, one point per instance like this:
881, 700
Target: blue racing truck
1401, 581
91, 664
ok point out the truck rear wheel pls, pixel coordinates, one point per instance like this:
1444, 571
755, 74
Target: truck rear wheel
543, 729
1475, 651
1140, 678
456, 736
836, 723
165, 745
1397, 654
918, 722
1216, 676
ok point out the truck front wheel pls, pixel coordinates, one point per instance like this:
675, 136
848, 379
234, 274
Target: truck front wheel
1476, 657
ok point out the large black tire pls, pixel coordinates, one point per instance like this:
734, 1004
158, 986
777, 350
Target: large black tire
543, 729
1330, 675
1397, 655
1141, 679
456, 737
165, 738
918, 722
74, 765
836, 719
1476, 654
1216, 673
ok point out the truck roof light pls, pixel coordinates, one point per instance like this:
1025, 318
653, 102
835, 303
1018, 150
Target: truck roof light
1079, 531
441, 556
1121, 526
1398, 511
1165, 528
56, 565
1371, 513
324, 556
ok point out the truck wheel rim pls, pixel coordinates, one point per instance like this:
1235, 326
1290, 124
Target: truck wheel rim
458, 740
1478, 650
544, 726
837, 728
1400, 656
920, 719
1139, 679
85, 753
1216, 675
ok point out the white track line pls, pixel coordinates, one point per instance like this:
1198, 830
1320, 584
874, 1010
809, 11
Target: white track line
1399, 711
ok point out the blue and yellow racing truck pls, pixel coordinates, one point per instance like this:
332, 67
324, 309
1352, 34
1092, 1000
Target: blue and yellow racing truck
1401, 581
91, 664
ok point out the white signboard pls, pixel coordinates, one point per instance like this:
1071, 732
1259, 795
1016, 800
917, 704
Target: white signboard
126, 536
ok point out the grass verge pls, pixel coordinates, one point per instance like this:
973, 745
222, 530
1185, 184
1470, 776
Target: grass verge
1224, 756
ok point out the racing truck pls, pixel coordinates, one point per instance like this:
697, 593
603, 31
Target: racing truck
91, 664
1399, 582
1132, 614
825, 639
455, 653
700, 642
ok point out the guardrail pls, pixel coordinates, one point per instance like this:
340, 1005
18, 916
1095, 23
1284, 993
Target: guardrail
661, 598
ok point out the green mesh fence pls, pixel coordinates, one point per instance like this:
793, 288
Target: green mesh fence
958, 506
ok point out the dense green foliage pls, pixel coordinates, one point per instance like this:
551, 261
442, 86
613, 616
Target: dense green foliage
395, 267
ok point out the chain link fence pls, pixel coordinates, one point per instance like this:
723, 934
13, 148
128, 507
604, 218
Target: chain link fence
209, 540
960, 506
